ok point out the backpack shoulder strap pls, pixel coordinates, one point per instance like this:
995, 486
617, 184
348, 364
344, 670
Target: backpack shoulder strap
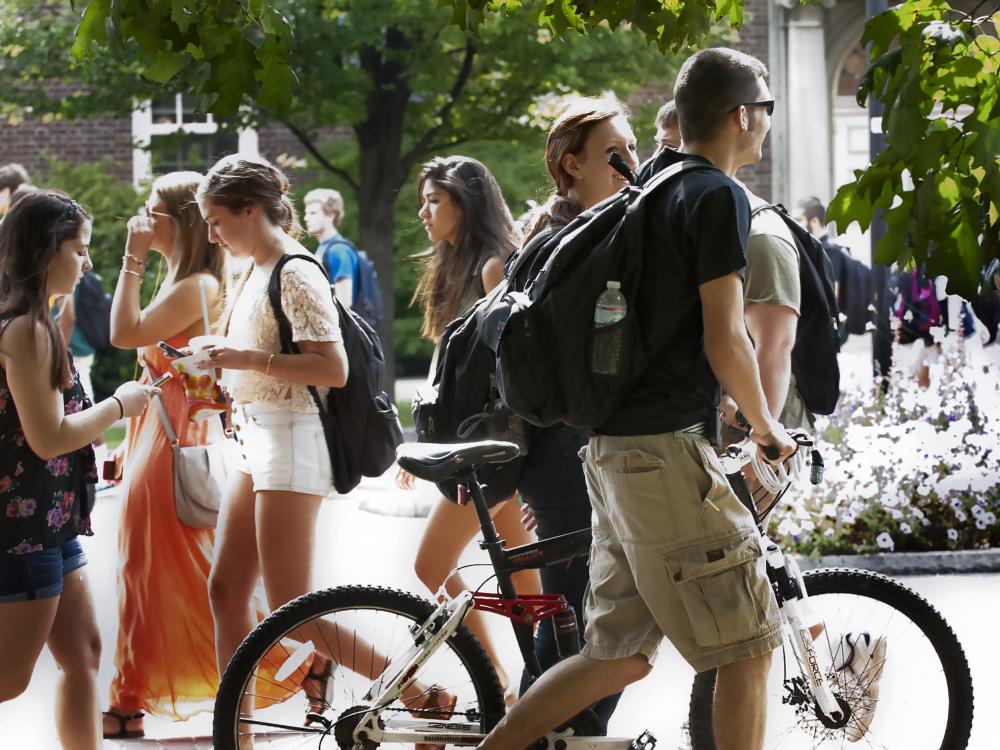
288, 346
663, 176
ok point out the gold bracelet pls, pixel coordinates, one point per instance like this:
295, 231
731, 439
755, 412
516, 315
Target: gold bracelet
133, 273
135, 259
267, 367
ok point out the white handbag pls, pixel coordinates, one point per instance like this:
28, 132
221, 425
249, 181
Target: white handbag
200, 475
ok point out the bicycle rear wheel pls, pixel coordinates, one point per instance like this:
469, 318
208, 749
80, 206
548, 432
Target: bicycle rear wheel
907, 683
363, 630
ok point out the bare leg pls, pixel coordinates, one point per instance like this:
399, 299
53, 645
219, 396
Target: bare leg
449, 530
75, 644
740, 704
24, 627
562, 692
235, 569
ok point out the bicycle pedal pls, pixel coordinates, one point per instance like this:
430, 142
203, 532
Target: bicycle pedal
644, 741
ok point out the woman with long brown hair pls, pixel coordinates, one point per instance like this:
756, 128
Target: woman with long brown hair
473, 234
47, 471
165, 655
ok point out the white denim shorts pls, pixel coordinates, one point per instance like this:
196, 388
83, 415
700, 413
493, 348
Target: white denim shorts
282, 450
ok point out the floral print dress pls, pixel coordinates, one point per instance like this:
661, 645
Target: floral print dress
43, 504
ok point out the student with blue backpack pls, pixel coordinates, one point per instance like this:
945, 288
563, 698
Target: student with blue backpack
350, 270
324, 210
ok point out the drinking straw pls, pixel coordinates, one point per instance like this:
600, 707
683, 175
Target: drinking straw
204, 304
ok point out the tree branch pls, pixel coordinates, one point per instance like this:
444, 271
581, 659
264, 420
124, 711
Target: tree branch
444, 113
324, 162
450, 144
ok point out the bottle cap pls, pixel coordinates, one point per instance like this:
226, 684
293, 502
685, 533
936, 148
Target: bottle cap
614, 285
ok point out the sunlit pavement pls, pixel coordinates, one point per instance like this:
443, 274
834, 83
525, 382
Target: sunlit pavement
361, 547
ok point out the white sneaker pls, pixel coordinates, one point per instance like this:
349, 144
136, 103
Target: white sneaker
861, 656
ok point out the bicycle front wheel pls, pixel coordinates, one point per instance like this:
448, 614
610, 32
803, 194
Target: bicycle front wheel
364, 632
886, 652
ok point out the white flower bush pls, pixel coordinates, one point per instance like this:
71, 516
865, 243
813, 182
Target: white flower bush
908, 470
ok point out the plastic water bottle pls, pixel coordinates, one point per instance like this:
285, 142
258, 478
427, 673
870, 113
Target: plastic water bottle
606, 353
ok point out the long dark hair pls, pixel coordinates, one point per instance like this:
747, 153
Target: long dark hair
486, 230
30, 236
568, 135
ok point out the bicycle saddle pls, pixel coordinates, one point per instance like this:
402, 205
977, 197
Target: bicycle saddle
436, 462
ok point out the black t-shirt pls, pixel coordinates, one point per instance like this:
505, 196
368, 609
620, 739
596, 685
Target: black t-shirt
696, 231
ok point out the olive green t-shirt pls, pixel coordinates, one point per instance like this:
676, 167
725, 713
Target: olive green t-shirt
772, 261
772, 278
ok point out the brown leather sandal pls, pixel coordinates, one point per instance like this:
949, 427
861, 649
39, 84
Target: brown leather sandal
123, 733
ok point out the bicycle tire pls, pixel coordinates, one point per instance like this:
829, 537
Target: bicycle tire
830, 589
461, 660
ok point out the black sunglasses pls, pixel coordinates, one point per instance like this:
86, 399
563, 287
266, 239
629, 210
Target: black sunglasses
769, 103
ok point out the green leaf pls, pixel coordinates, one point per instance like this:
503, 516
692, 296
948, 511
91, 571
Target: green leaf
165, 66
91, 30
848, 206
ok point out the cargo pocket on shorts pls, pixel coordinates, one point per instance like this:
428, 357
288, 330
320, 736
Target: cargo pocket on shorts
724, 589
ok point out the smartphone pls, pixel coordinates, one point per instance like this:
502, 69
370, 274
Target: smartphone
162, 379
175, 353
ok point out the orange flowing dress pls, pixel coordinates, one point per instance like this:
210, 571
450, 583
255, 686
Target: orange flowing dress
165, 656
165, 660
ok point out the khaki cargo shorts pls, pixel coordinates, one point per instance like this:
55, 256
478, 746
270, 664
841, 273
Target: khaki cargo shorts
674, 554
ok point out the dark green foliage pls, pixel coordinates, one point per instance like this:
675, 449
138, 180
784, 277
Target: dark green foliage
111, 202
937, 182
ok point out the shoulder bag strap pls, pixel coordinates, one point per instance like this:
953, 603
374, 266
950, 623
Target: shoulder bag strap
168, 428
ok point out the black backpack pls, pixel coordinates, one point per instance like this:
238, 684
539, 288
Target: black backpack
463, 402
359, 420
543, 336
858, 295
93, 312
814, 356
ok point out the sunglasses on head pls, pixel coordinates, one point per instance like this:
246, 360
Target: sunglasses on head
769, 103
150, 213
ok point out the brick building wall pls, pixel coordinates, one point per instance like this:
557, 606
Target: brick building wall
75, 141
110, 136
754, 40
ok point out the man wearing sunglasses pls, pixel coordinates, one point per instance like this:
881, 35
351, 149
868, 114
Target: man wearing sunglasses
772, 292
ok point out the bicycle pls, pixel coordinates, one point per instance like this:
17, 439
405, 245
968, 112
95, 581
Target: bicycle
396, 654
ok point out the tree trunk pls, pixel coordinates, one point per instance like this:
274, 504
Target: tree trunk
376, 221
381, 173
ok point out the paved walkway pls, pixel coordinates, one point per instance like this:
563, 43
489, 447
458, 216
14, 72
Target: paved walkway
361, 547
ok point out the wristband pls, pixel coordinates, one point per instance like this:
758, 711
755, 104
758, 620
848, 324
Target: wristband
267, 367
135, 259
121, 409
132, 273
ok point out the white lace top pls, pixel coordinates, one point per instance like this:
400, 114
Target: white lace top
306, 301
